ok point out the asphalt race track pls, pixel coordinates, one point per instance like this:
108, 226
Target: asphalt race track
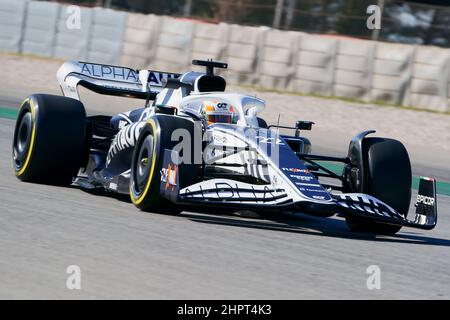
124, 253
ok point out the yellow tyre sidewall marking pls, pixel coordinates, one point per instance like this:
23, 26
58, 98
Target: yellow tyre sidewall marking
141, 198
33, 134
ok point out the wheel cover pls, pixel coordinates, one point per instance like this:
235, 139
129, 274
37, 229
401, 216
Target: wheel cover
143, 164
22, 140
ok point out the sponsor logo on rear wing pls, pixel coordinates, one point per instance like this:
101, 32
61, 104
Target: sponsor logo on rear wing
111, 80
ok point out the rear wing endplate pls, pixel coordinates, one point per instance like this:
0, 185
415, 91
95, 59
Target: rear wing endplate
111, 80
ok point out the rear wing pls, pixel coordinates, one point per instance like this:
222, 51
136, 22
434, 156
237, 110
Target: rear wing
111, 80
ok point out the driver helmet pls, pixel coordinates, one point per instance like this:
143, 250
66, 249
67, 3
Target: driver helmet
218, 112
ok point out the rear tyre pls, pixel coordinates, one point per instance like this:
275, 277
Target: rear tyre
388, 177
147, 163
49, 139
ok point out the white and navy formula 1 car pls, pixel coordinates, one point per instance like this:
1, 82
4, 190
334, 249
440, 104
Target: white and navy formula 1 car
193, 144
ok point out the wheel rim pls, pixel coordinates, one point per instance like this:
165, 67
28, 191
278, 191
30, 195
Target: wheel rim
22, 138
143, 164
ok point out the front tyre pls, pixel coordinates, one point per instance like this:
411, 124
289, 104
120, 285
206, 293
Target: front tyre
387, 177
49, 139
147, 162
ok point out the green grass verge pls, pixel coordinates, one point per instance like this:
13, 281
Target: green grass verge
8, 113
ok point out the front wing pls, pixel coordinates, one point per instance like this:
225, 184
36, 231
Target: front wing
363, 205
233, 194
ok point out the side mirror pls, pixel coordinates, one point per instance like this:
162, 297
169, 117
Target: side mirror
303, 125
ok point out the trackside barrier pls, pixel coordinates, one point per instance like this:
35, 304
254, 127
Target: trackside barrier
40, 28
392, 69
140, 40
242, 53
12, 17
315, 65
353, 69
276, 67
72, 37
429, 81
173, 46
401, 74
44, 28
210, 41
106, 36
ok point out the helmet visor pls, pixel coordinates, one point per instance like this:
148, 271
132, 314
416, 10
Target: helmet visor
220, 118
